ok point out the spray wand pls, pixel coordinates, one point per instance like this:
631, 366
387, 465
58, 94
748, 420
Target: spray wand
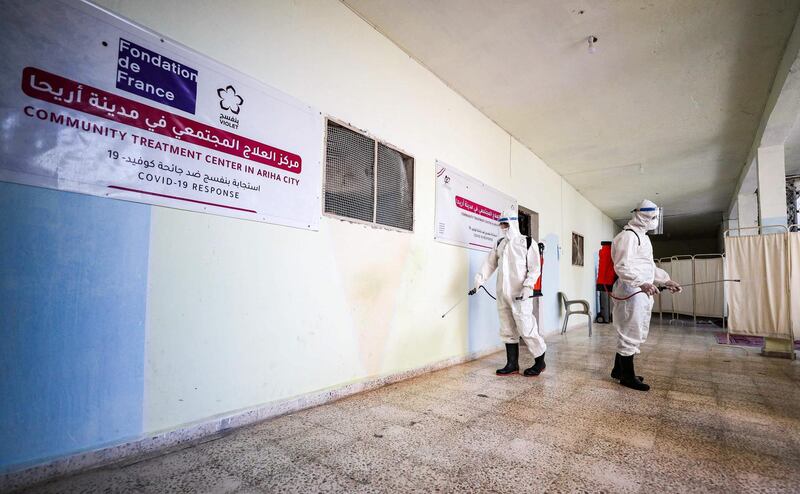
662, 288
471, 292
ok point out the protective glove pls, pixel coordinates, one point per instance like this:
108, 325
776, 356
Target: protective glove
477, 282
527, 292
648, 288
673, 286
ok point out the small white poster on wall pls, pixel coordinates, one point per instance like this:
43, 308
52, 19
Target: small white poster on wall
467, 209
94, 104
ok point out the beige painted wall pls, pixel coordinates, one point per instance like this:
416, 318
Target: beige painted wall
242, 313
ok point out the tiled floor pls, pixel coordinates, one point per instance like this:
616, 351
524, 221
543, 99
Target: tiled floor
718, 419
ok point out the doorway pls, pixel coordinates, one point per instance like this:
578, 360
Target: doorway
529, 226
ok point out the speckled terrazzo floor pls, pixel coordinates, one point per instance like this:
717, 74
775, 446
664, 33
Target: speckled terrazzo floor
718, 419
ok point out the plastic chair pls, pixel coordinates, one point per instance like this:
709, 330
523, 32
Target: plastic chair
585, 311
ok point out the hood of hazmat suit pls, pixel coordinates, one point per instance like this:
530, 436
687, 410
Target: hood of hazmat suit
632, 254
509, 216
518, 268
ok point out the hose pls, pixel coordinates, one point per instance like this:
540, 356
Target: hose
464, 298
487, 292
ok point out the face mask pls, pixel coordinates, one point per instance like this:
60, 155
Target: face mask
652, 223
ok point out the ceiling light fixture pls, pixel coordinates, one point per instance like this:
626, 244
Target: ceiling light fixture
592, 40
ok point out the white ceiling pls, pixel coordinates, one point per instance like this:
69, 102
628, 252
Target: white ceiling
666, 108
792, 150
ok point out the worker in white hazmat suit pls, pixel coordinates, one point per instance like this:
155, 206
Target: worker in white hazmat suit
632, 254
517, 263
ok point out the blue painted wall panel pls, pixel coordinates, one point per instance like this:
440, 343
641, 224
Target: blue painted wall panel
73, 294
551, 305
484, 323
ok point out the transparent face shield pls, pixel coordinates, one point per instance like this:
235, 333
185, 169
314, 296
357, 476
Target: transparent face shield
504, 222
660, 228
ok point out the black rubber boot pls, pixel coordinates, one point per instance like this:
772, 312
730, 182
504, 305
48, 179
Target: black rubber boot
628, 378
616, 372
512, 360
538, 366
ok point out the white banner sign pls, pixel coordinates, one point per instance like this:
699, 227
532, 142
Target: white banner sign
467, 209
94, 104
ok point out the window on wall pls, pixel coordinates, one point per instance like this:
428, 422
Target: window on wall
577, 249
367, 180
793, 201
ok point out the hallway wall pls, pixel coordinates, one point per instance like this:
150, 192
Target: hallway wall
679, 247
170, 317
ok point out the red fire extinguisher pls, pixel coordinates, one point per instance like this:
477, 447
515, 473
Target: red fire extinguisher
605, 270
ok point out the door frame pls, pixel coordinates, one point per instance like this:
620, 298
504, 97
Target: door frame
533, 227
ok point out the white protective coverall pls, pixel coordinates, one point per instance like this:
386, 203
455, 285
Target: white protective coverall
632, 254
518, 269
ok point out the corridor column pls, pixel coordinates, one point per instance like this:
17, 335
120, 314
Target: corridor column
772, 211
748, 213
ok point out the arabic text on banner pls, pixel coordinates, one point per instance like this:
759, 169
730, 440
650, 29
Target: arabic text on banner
94, 104
467, 209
